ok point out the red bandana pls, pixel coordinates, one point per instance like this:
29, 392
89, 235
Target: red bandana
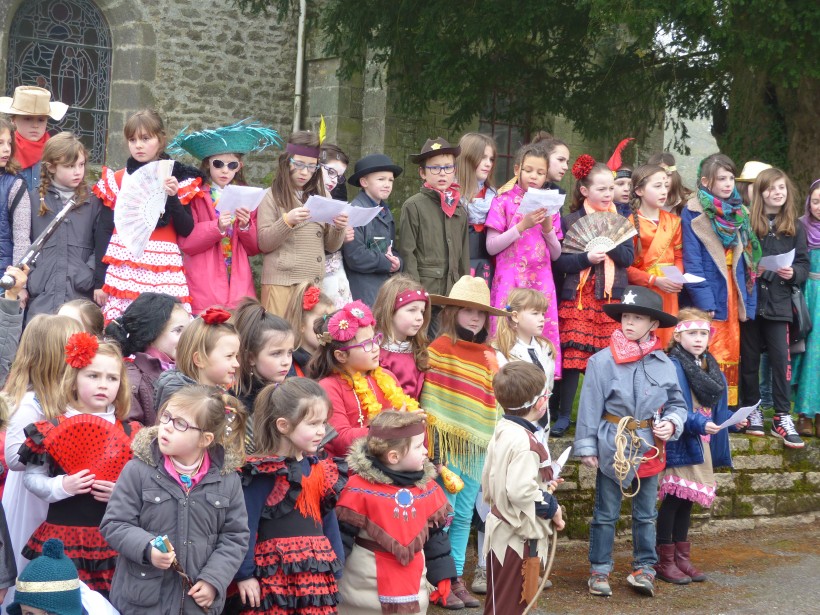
28, 152
626, 351
449, 198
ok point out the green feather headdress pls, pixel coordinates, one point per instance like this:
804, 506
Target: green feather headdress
243, 137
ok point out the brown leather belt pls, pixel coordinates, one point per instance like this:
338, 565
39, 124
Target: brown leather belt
632, 425
370, 545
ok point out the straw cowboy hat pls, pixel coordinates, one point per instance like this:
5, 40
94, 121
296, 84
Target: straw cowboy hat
31, 100
640, 300
751, 170
469, 292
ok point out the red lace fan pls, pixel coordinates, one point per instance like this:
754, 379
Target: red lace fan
89, 442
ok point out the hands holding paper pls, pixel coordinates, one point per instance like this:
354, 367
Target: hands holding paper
539, 216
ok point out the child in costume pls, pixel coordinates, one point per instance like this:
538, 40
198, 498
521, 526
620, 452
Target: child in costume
630, 392
517, 484
678, 194
690, 460
433, 240
558, 161
458, 395
217, 250
335, 283
207, 353
72, 461
623, 179
402, 313
369, 259
148, 332
347, 368
808, 363
182, 484
307, 305
475, 167
70, 266
720, 246
659, 242
390, 511
159, 268
12, 193
289, 492
589, 281
774, 222
294, 247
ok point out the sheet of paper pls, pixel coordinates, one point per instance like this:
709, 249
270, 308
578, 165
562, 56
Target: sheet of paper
359, 216
237, 197
673, 274
776, 261
323, 209
535, 199
740, 415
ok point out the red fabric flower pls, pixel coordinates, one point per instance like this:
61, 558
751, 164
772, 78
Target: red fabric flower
215, 316
310, 298
583, 166
81, 349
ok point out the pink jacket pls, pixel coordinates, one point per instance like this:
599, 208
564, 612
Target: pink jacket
205, 265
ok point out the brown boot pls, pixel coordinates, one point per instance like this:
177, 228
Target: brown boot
804, 426
684, 564
666, 570
460, 590
451, 603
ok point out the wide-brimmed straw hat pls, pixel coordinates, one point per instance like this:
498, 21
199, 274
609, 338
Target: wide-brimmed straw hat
31, 100
640, 300
243, 137
469, 292
435, 147
373, 164
751, 170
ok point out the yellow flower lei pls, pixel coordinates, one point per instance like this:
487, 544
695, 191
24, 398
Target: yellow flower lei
366, 398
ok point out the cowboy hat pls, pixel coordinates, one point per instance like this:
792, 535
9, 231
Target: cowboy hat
751, 170
434, 147
640, 300
31, 100
372, 164
469, 292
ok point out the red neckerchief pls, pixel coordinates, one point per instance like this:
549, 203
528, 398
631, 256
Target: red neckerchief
28, 152
626, 351
449, 198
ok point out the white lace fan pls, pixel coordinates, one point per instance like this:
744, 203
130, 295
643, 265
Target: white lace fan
598, 230
140, 203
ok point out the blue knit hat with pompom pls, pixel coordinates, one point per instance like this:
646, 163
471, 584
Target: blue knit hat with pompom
50, 583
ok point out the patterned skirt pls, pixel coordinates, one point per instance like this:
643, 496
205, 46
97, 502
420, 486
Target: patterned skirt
694, 483
584, 331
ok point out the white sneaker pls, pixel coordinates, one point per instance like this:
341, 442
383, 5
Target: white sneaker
479, 584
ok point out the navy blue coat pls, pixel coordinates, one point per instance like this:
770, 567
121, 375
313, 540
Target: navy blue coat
688, 449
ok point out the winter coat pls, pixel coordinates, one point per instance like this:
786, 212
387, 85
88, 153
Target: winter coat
705, 256
774, 294
167, 384
207, 527
12, 189
143, 372
435, 249
70, 265
11, 327
366, 265
205, 268
688, 449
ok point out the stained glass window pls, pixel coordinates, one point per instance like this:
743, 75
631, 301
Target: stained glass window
65, 47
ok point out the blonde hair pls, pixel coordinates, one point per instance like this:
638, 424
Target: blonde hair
383, 311
295, 314
785, 221
472, 146
122, 402
292, 400
91, 315
40, 364
379, 447
688, 313
12, 166
147, 122
63, 148
199, 338
518, 300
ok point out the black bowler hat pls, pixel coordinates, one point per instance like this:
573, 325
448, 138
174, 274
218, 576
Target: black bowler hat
373, 164
640, 300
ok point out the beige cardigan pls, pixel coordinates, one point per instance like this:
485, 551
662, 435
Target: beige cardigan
293, 255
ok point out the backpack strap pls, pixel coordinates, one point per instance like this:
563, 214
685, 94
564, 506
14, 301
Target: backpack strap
17, 198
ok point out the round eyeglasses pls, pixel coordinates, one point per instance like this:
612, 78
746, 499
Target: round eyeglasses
366, 345
298, 165
333, 173
179, 424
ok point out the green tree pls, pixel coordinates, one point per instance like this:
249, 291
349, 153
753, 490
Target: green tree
612, 67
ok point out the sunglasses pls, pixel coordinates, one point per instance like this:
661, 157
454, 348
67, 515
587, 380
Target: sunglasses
218, 164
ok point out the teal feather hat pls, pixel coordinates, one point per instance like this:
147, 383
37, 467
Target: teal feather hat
243, 137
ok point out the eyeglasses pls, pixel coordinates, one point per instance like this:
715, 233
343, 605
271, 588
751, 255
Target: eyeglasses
333, 173
366, 345
179, 424
218, 164
298, 165
438, 170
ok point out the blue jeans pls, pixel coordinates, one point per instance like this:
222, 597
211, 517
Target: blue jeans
765, 381
605, 515
463, 504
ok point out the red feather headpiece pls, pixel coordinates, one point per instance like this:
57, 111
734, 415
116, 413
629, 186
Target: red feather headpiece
215, 316
81, 349
615, 160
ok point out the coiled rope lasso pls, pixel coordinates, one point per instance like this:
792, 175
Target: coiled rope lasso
624, 462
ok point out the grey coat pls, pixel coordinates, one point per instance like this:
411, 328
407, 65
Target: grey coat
628, 389
208, 528
11, 326
167, 384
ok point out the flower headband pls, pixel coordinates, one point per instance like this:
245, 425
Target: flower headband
311, 298
583, 165
215, 316
344, 324
409, 296
81, 349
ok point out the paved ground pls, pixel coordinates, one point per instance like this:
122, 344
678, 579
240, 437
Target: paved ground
766, 571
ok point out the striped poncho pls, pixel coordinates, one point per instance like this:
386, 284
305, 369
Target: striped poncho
459, 401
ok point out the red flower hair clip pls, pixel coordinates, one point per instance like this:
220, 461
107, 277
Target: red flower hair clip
215, 316
311, 298
81, 349
345, 323
582, 166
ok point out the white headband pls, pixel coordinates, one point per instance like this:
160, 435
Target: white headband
693, 325
532, 402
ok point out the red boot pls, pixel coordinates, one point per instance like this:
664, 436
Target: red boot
666, 570
683, 563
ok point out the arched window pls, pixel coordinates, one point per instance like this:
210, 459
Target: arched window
65, 47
